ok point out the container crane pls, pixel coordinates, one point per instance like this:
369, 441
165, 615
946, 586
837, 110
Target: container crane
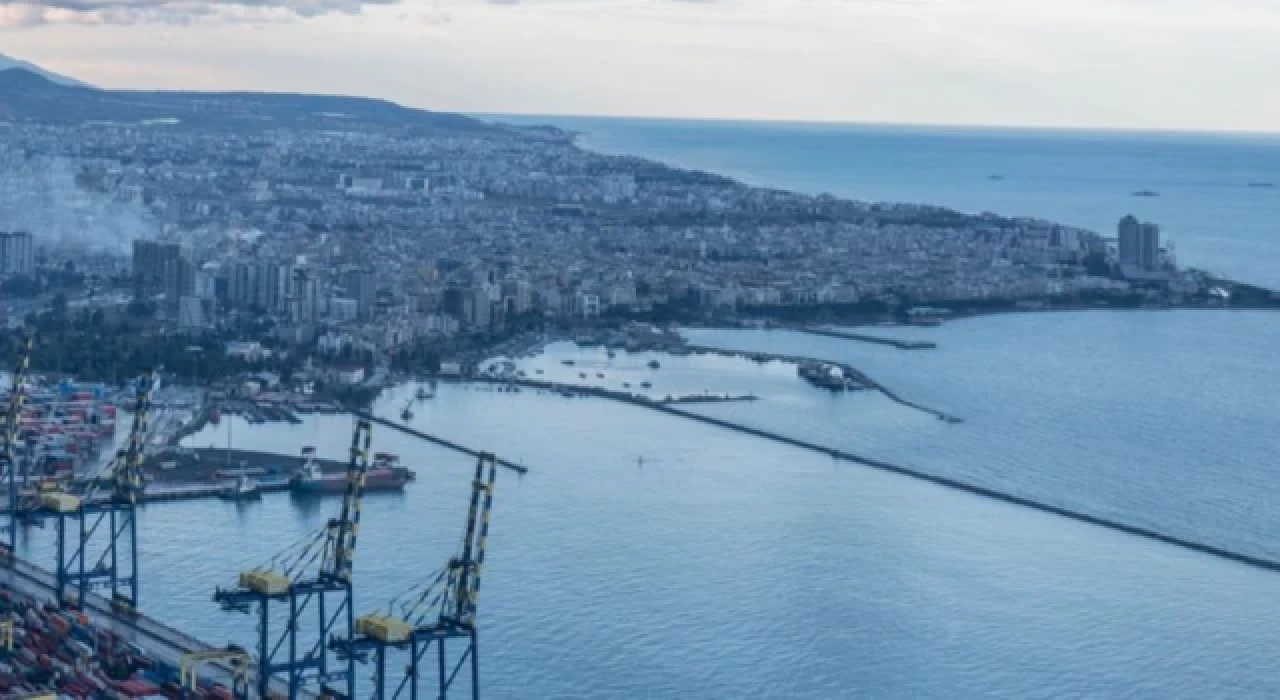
17, 396
287, 581
443, 608
118, 510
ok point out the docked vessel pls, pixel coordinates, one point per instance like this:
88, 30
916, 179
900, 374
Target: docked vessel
385, 474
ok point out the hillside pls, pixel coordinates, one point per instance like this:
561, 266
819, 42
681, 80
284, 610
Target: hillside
28, 96
7, 62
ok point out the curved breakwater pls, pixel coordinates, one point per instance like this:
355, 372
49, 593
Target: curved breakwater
948, 482
851, 371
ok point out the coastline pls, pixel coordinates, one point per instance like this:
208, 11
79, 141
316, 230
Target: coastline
579, 138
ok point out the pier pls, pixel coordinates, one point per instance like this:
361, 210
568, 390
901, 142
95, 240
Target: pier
891, 342
937, 479
517, 468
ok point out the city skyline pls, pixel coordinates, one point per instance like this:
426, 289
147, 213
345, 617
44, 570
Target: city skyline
1132, 64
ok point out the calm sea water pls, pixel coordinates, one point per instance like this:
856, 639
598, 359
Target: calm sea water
725, 566
1206, 206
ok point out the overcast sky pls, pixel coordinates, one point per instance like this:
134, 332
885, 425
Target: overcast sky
1181, 64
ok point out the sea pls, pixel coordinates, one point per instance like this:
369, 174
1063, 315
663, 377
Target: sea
646, 555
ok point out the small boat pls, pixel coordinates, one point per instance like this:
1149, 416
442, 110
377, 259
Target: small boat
646, 385
567, 362
1146, 193
599, 375
611, 354
1262, 185
422, 394
406, 415
653, 364
582, 375
245, 489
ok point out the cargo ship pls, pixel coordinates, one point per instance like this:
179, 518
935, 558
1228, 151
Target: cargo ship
385, 474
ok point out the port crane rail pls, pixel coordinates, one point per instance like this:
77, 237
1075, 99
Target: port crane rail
287, 581
443, 608
118, 511
17, 397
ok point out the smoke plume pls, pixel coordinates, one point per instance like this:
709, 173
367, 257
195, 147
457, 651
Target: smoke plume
50, 199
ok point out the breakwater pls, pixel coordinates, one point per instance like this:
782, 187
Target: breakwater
518, 468
851, 372
891, 342
944, 481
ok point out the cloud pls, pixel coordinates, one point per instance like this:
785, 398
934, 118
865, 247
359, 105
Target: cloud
31, 13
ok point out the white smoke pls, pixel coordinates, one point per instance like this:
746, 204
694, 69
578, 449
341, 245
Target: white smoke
42, 196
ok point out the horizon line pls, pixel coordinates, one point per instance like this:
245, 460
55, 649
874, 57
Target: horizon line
911, 124
1186, 131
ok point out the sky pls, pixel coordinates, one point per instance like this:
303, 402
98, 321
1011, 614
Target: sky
1142, 64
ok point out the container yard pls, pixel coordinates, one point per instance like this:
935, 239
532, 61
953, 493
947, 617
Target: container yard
44, 650
77, 631
62, 428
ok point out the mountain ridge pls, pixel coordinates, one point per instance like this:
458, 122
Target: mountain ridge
8, 62
27, 95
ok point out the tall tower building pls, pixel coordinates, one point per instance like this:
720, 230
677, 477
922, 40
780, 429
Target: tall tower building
361, 285
1139, 243
162, 269
17, 254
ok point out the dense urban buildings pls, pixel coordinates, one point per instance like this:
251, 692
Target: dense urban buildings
377, 235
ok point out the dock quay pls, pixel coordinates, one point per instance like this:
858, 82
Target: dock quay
892, 342
193, 464
159, 642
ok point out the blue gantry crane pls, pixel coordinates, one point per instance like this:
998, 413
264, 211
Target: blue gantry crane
298, 649
116, 568
441, 609
17, 396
